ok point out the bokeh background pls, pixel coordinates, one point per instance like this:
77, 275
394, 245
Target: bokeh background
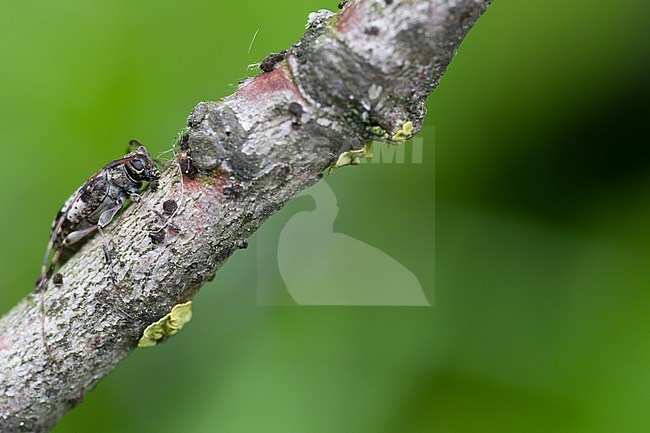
542, 223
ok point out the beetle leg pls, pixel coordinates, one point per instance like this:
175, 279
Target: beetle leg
137, 198
75, 237
107, 257
104, 219
40, 285
133, 144
46, 272
72, 238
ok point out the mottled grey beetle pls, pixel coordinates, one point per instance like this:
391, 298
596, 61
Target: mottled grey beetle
93, 206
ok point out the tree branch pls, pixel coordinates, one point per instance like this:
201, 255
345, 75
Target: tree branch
358, 76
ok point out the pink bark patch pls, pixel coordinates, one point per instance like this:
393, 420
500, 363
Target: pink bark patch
350, 18
255, 89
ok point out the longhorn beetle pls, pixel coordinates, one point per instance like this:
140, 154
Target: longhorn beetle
93, 206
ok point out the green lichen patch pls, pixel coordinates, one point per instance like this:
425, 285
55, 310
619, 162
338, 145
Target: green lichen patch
404, 132
379, 132
169, 325
353, 157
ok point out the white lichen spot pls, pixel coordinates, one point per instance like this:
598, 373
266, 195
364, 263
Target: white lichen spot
322, 121
404, 132
374, 92
169, 325
317, 19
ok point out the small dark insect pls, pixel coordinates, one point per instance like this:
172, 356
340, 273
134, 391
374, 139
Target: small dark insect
157, 236
295, 109
371, 31
187, 167
272, 61
233, 191
283, 172
169, 207
92, 207
242, 244
169, 210
57, 279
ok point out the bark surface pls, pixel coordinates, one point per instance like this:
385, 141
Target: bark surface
356, 76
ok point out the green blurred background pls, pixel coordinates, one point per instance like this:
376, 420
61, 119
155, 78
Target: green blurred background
542, 233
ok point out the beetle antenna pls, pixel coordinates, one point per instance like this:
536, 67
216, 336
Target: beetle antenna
133, 144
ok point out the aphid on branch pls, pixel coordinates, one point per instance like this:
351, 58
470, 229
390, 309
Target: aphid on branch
157, 236
233, 190
169, 207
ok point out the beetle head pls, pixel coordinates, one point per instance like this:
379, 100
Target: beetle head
140, 166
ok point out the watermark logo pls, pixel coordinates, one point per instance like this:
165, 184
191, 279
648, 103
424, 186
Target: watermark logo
307, 262
388, 154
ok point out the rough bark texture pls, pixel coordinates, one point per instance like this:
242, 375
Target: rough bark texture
361, 75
